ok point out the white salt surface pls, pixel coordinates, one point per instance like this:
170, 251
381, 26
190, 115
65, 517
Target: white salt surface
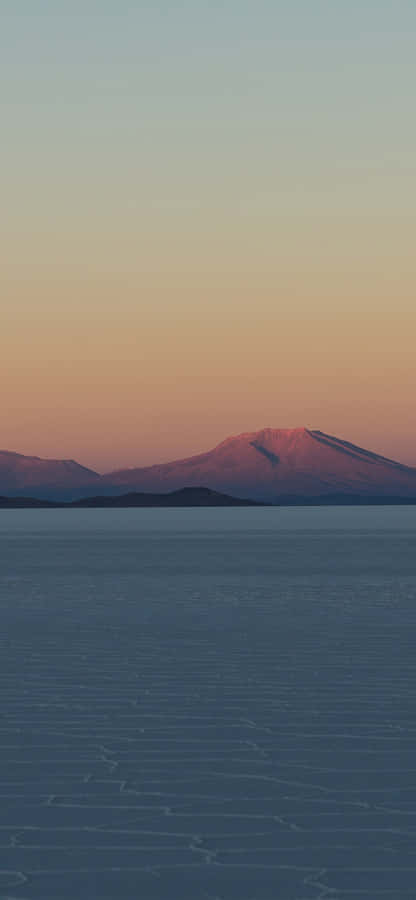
208, 704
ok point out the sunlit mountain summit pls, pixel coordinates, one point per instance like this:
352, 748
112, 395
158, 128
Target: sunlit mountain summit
274, 463
271, 465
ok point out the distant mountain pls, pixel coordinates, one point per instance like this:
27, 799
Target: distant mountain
276, 463
46, 477
197, 496
272, 466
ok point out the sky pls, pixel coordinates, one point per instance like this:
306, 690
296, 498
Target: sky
207, 224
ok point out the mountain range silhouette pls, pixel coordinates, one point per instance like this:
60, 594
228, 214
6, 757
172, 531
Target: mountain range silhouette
271, 465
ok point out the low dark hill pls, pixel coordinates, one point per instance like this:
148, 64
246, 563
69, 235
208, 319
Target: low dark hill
185, 497
188, 496
202, 497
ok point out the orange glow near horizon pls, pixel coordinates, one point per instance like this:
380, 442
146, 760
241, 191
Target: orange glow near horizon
208, 226
140, 381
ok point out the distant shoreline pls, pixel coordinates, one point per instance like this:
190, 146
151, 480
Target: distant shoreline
185, 497
188, 498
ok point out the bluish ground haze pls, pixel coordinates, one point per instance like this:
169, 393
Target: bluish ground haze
208, 704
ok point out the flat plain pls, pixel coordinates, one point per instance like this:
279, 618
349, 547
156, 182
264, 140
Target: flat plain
208, 704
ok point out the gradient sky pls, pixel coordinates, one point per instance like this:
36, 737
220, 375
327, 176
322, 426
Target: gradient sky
207, 224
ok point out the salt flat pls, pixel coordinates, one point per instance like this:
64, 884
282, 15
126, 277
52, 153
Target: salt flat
208, 704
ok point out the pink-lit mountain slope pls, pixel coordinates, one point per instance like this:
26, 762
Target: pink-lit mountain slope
31, 475
274, 463
267, 465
